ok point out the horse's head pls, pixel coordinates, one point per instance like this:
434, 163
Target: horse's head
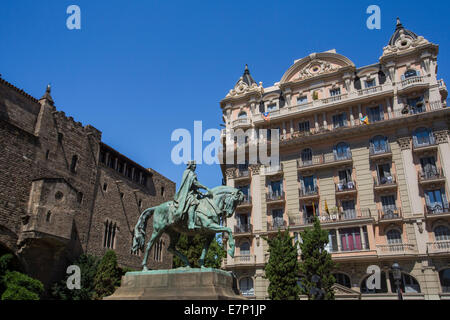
228, 199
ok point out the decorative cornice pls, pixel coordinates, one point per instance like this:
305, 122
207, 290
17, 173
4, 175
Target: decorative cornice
230, 173
255, 168
441, 136
404, 143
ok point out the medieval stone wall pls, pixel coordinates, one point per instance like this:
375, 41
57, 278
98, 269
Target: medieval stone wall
50, 174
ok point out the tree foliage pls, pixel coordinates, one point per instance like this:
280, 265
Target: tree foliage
315, 260
192, 248
88, 267
15, 285
21, 287
282, 268
108, 276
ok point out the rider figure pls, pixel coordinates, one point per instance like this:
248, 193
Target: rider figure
186, 199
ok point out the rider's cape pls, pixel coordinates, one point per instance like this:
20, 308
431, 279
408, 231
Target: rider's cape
181, 197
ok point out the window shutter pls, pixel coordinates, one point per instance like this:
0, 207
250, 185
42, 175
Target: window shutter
444, 198
344, 115
418, 73
381, 112
315, 183
427, 199
302, 182
403, 77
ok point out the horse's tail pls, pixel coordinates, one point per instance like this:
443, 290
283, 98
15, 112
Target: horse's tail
139, 230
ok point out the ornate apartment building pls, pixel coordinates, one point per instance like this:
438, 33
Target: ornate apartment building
366, 150
64, 192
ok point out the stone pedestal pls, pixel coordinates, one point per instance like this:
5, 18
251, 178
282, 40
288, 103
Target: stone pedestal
177, 284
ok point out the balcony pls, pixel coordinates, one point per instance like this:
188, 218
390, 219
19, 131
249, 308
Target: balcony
413, 83
275, 197
424, 144
245, 260
345, 188
324, 160
276, 225
397, 249
437, 210
273, 170
242, 174
240, 123
389, 215
243, 229
247, 202
438, 247
431, 176
344, 216
335, 98
380, 152
385, 183
309, 193
368, 91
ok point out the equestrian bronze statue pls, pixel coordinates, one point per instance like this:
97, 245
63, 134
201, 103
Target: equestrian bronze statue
191, 212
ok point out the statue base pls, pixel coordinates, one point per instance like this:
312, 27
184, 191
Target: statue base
177, 284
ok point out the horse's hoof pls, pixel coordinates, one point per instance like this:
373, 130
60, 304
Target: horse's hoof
144, 268
231, 253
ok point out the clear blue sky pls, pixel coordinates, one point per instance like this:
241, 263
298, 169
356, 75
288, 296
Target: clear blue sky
139, 69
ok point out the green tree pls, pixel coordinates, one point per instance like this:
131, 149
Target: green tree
283, 268
88, 267
21, 287
15, 285
108, 275
192, 248
316, 261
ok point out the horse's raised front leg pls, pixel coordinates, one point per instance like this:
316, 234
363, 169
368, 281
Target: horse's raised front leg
206, 245
218, 228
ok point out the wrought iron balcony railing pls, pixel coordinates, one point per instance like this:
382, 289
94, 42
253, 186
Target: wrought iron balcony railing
276, 224
429, 175
389, 214
379, 150
243, 228
437, 208
308, 192
321, 159
345, 186
384, 181
275, 196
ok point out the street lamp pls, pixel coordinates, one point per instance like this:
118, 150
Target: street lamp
397, 273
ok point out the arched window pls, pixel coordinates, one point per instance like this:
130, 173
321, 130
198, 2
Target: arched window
407, 283
342, 151
444, 277
379, 145
410, 73
394, 236
109, 234
422, 137
157, 251
383, 284
244, 249
242, 115
343, 279
441, 233
246, 286
307, 156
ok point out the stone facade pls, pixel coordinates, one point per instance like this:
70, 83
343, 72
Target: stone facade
64, 192
363, 148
